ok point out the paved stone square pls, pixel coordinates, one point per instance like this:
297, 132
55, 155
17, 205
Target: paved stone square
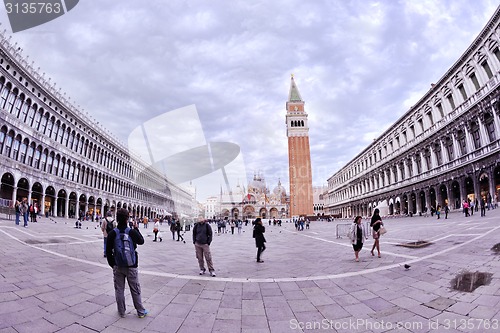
54, 278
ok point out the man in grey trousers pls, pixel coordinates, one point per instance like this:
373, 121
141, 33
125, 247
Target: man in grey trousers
202, 237
120, 273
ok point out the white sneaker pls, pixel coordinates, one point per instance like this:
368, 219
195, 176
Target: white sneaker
212, 273
202, 272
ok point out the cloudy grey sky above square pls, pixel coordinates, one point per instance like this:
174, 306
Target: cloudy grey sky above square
359, 66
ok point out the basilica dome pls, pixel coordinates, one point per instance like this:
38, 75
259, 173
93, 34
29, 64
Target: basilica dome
279, 190
257, 185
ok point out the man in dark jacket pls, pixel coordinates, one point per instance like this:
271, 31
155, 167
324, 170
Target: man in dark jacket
121, 273
202, 237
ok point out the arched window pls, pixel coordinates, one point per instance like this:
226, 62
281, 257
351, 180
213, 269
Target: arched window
62, 167
50, 161
8, 143
5, 94
3, 133
15, 148
66, 137
418, 162
55, 167
11, 99
43, 123
462, 142
50, 127
427, 156
34, 117
17, 105
36, 160
71, 139
77, 142
476, 138
43, 160
437, 152
65, 173
490, 127
60, 132
31, 152
24, 110
71, 172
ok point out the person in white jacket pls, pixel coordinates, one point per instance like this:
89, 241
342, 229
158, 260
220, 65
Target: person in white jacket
357, 234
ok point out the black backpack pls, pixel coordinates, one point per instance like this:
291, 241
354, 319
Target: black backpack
109, 225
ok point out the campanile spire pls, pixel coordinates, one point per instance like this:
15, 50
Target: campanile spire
299, 155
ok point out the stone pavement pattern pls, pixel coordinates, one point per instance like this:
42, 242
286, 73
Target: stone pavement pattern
53, 278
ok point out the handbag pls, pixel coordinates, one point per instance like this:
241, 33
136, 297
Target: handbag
382, 231
155, 229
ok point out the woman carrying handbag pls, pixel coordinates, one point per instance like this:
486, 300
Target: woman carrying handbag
376, 224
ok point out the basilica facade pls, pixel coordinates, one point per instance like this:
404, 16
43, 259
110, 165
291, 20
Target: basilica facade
62, 161
442, 151
256, 200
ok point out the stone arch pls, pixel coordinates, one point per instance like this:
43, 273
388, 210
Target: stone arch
7, 189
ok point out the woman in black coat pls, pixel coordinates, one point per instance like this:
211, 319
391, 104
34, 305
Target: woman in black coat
258, 234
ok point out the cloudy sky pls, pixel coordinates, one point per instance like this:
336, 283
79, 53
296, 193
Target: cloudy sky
359, 66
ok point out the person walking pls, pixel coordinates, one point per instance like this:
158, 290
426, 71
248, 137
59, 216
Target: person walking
376, 223
107, 225
202, 237
122, 256
23, 210
17, 205
465, 205
239, 224
357, 235
446, 211
232, 227
438, 211
483, 207
258, 234
178, 229
172, 228
156, 231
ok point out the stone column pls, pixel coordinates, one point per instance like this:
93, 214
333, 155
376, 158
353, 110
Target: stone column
444, 152
433, 157
468, 140
423, 163
42, 205
482, 133
14, 195
456, 148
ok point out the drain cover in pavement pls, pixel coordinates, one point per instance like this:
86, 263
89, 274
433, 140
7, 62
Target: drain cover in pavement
496, 248
469, 281
415, 245
39, 241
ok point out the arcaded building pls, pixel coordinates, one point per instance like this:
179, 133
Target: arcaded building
442, 151
299, 155
62, 161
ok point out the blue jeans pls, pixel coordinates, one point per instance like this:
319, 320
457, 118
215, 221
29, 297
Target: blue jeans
17, 217
105, 240
26, 216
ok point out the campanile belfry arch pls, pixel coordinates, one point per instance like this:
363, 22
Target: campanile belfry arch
299, 154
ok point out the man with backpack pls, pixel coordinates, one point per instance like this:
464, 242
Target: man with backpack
202, 237
107, 225
123, 258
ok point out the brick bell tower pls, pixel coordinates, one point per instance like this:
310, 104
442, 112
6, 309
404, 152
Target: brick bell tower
299, 155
